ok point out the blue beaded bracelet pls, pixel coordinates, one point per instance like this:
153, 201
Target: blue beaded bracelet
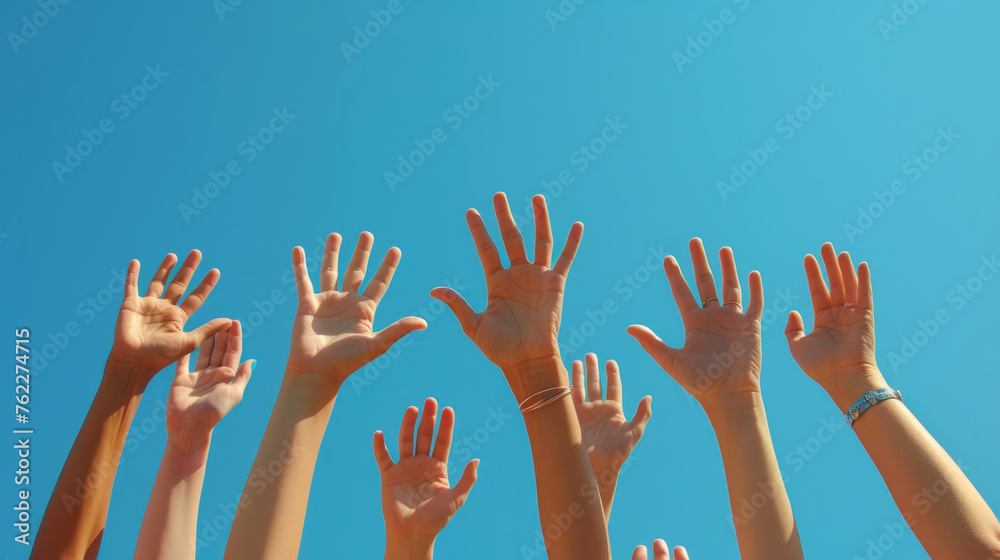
866, 402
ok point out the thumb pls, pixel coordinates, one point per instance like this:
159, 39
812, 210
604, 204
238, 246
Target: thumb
461, 308
243, 376
643, 413
201, 334
654, 346
464, 486
385, 338
795, 328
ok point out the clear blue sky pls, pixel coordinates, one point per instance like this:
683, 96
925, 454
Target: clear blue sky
864, 98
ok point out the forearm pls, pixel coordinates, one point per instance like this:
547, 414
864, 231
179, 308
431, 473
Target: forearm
408, 549
170, 525
753, 477
74, 519
937, 500
272, 509
565, 480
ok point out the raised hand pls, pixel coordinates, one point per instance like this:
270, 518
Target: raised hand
608, 436
660, 552
840, 350
150, 330
199, 398
721, 355
333, 333
417, 499
521, 320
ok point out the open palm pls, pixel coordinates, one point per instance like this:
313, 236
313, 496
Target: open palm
842, 341
333, 334
150, 329
608, 436
521, 320
417, 499
204, 395
722, 344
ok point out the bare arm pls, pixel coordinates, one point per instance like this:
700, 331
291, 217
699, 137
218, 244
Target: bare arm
519, 333
937, 500
720, 365
149, 336
332, 337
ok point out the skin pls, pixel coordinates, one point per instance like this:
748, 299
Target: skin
608, 436
417, 500
197, 401
660, 552
720, 365
149, 335
331, 338
941, 506
518, 331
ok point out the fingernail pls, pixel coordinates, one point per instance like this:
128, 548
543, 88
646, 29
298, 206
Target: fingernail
253, 364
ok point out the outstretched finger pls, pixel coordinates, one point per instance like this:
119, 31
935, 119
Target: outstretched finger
512, 240
243, 372
643, 412
461, 490
679, 287
234, 346
488, 254
160, 277
755, 309
179, 284
794, 328
833, 273
639, 553
654, 346
132, 279
703, 277
358, 266
681, 553
732, 295
442, 447
579, 383
817, 287
406, 429
565, 260
379, 283
660, 550
303, 285
543, 232
467, 318
866, 295
200, 294
593, 378
221, 345
205, 354
382, 457
614, 384
328, 270
850, 277
425, 432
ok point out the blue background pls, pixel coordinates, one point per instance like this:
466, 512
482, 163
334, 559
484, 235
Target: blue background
652, 189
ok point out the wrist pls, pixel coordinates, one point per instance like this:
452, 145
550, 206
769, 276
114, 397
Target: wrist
536, 374
845, 389
417, 547
187, 447
311, 387
127, 372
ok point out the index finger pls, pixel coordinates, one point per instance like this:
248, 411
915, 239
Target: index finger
303, 285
